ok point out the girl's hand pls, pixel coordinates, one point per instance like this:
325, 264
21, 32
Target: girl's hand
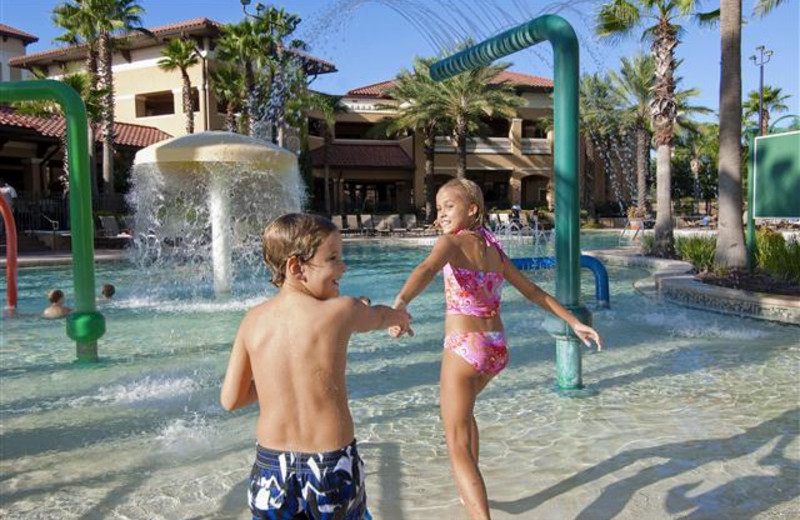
586, 333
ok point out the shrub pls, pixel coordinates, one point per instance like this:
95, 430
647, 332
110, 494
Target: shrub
697, 250
776, 257
648, 242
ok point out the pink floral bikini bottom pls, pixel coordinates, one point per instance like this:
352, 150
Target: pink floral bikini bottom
485, 351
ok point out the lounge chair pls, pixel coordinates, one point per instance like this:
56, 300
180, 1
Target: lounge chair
352, 224
337, 221
367, 225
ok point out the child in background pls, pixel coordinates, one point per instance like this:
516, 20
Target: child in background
290, 355
106, 292
475, 351
56, 309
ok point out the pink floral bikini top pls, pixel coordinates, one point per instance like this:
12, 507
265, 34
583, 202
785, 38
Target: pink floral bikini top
471, 292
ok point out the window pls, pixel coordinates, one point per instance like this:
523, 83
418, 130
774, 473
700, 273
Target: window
155, 104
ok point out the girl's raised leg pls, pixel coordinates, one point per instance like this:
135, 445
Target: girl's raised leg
459, 386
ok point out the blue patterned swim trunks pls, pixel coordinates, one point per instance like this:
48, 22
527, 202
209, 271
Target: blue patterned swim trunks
308, 486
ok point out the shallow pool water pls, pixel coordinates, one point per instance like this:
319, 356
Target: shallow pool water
696, 414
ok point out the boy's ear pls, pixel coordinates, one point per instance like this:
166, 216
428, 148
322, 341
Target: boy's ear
294, 268
473, 210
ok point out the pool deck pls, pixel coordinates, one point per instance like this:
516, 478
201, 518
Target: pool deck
56, 258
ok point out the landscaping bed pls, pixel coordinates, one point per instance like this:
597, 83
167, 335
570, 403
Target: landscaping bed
756, 282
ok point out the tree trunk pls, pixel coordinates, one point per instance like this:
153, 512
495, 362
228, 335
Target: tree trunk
249, 86
642, 151
730, 233
188, 109
764, 120
430, 196
328, 142
664, 109
460, 136
106, 55
663, 230
230, 117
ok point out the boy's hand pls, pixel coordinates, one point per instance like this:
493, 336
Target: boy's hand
586, 333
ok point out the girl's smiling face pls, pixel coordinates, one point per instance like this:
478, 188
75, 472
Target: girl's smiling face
453, 211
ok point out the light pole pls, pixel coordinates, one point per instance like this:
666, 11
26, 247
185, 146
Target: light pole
259, 9
760, 60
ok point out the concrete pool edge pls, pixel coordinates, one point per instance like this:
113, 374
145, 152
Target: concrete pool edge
673, 281
52, 259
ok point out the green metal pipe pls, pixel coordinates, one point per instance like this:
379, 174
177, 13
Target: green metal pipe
562, 37
85, 325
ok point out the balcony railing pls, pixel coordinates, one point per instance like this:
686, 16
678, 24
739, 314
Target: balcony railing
494, 145
535, 146
480, 145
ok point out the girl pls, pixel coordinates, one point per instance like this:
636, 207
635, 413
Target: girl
475, 350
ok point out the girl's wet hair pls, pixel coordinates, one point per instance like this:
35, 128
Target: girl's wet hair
293, 234
472, 192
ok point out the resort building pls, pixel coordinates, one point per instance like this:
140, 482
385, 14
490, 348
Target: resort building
513, 163
367, 173
12, 45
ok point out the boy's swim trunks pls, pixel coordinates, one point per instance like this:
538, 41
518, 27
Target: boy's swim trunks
298, 486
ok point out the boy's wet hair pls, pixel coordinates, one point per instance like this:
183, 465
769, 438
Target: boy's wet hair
293, 234
55, 295
108, 290
472, 192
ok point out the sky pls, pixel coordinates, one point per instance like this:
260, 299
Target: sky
372, 40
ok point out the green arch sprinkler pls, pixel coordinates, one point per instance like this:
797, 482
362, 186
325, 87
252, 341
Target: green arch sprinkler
561, 35
85, 325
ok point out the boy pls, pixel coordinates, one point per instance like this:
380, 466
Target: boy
289, 355
56, 309
107, 292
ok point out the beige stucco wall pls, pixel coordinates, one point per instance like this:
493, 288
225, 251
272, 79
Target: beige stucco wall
136, 73
11, 48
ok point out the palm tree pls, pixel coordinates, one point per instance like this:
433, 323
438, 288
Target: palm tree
701, 142
96, 22
600, 123
634, 85
421, 110
618, 18
730, 250
242, 45
328, 106
467, 98
773, 102
228, 86
180, 54
80, 29
763, 7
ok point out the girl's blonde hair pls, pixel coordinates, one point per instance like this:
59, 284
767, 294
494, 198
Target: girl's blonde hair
293, 234
472, 192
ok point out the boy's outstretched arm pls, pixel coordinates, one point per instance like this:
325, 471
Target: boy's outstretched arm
238, 388
426, 271
366, 318
535, 294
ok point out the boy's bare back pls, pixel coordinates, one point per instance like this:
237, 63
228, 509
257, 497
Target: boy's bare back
290, 351
297, 347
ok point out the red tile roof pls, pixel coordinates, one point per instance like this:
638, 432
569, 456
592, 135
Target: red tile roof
7, 30
366, 155
515, 78
214, 28
127, 134
194, 23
